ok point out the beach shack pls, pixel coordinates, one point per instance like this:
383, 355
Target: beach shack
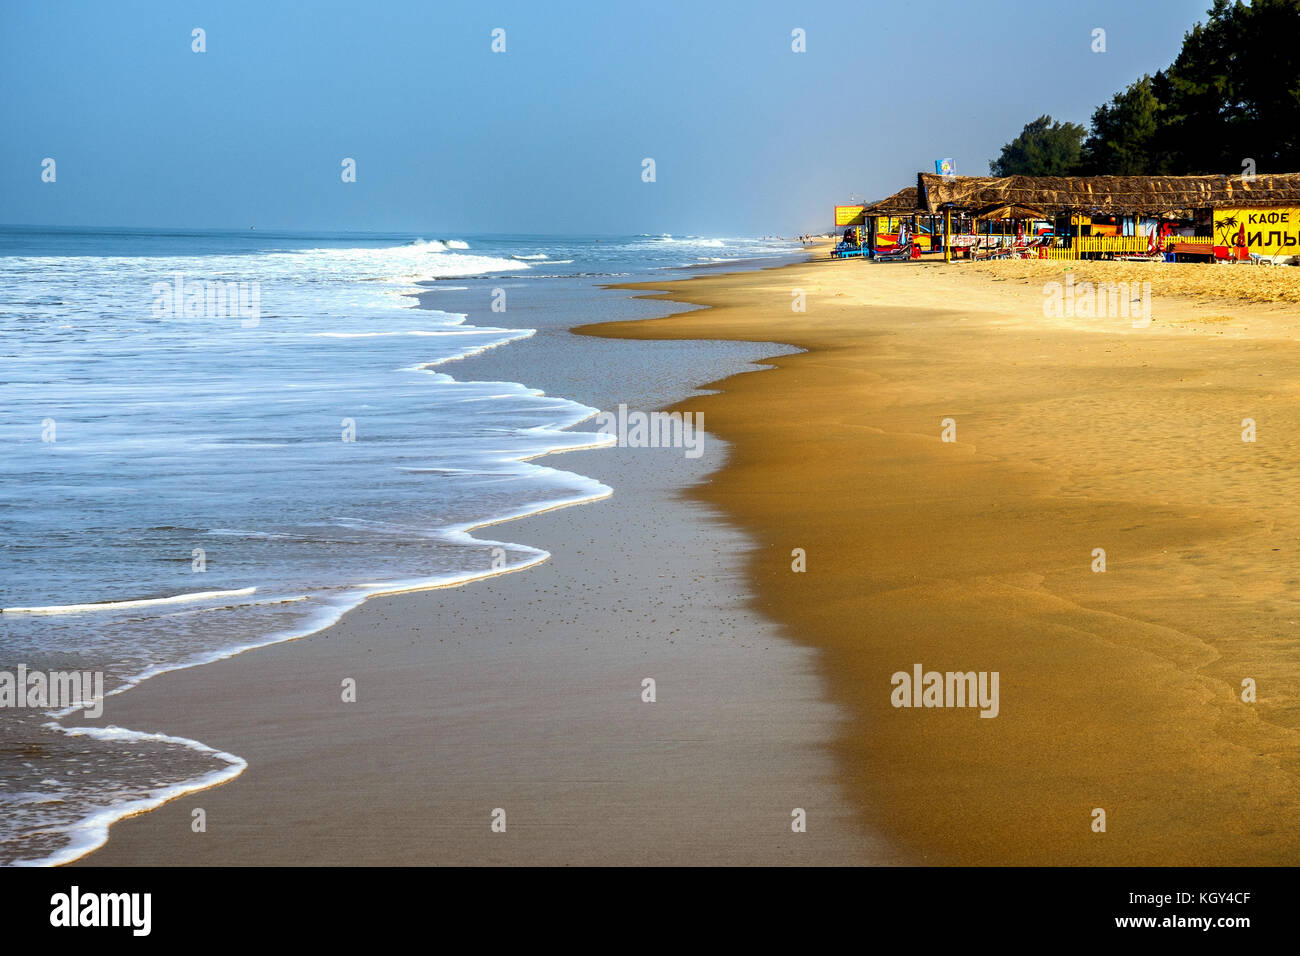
1205, 218
886, 218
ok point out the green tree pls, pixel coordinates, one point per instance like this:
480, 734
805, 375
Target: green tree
1233, 93
1122, 142
1043, 148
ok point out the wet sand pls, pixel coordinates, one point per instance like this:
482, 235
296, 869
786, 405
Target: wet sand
524, 691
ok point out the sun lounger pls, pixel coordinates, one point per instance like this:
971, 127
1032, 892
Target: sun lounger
1028, 250
991, 252
897, 253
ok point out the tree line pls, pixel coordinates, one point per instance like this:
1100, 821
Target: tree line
1231, 96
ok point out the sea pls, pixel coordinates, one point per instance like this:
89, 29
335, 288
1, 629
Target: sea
217, 440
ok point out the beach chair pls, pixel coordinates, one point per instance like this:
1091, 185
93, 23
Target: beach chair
1156, 256
1028, 250
1155, 250
1275, 260
897, 253
990, 251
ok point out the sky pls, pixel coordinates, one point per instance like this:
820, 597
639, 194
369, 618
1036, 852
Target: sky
449, 138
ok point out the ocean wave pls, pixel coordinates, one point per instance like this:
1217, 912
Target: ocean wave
429, 259
479, 350
691, 241
439, 245
477, 330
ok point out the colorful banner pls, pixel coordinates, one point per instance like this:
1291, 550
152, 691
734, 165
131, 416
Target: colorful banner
1266, 232
849, 216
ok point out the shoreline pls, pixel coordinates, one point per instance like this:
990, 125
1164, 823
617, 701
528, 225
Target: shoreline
101, 822
96, 827
142, 839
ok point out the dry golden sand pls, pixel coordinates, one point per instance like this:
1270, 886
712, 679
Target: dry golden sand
1202, 281
1119, 690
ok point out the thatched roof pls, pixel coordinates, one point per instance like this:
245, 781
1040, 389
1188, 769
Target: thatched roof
902, 203
1010, 211
1175, 196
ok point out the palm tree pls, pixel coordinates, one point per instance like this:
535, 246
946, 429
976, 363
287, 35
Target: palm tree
1226, 226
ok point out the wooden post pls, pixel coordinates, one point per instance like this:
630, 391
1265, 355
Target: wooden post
947, 235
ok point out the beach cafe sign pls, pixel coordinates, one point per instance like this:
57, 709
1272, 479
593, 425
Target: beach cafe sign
849, 216
1263, 231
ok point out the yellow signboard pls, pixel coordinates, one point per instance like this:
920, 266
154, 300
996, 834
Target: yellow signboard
1266, 232
849, 215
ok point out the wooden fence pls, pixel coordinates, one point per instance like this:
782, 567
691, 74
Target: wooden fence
1114, 245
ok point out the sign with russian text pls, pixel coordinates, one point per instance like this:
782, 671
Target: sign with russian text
1267, 232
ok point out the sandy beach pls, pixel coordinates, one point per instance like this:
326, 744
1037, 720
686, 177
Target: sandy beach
1119, 690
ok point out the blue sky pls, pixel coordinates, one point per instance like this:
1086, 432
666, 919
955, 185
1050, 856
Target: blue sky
748, 137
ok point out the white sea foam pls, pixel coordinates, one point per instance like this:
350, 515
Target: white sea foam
91, 832
122, 605
410, 263
428, 332
439, 245
514, 336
